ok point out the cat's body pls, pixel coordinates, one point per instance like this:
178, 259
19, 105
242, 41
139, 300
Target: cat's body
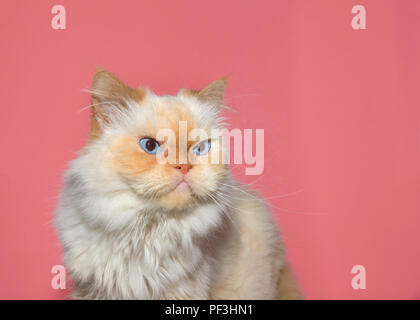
130, 231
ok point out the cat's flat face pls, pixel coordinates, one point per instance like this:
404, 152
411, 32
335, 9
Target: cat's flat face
164, 148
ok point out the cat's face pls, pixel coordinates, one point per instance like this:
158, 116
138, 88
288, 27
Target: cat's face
163, 148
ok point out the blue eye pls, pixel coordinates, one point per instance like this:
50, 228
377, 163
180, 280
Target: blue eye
151, 146
202, 148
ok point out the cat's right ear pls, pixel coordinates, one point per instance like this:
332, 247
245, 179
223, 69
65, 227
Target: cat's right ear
109, 93
212, 95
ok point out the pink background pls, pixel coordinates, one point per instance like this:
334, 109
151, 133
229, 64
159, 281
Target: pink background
340, 109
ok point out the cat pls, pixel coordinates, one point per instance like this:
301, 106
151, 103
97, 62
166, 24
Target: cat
132, 227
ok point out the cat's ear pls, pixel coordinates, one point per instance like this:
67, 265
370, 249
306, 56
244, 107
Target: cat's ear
109, 93
213, 94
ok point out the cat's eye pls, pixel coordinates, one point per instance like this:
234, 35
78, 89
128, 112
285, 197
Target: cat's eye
151, 146
202, 148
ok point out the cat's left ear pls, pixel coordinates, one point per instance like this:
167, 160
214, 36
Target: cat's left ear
213, 94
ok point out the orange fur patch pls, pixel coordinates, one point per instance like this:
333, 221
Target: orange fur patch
129, 158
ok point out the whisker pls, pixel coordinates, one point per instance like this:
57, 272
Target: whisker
95, 104
270, 204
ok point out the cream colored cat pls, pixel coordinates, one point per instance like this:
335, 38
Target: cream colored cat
134, 228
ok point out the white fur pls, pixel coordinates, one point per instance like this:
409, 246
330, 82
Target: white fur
119, 245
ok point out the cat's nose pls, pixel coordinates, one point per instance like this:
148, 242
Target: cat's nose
184, 168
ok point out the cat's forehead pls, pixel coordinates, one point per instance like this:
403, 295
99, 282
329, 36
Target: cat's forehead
155, 113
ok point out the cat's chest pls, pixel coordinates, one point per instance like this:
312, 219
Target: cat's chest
146, 260
146, 266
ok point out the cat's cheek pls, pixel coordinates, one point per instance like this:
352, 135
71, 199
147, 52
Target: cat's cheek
127, 157
205, 178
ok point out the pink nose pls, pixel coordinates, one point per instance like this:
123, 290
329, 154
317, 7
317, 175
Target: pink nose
184, 168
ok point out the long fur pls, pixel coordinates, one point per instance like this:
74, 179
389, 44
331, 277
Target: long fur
126, 234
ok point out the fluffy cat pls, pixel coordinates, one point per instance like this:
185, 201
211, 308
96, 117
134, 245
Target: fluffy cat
134, 228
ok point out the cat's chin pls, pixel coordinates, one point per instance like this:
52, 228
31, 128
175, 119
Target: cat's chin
179, 198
